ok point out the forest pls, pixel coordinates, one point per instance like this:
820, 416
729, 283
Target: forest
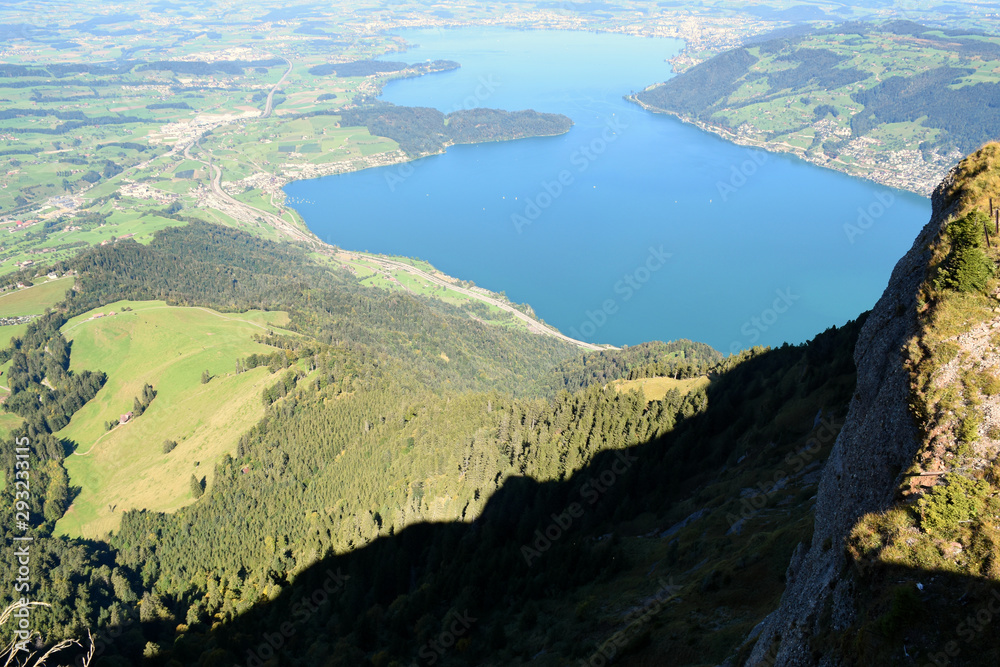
421, 130
42, 389
968, 114
232, 271
936, 96
379, 461
358, 68
699, 89
373, 67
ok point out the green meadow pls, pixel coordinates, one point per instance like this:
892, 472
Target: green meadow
34, 300
654, 389
168, 347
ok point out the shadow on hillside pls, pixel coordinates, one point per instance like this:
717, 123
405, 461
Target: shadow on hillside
914, 616
459, 593
533, 542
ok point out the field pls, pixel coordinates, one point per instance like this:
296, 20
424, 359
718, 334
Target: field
28, 301
874, 101
655, 389
93, 157
34, 300
169, 348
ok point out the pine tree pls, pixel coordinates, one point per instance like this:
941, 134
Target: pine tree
197, 487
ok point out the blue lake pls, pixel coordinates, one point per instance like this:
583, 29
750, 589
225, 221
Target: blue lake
631, 227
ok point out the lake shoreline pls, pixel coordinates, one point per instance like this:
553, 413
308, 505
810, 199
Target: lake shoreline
593, 227
885, 178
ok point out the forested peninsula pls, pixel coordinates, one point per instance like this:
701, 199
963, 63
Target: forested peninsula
422, 130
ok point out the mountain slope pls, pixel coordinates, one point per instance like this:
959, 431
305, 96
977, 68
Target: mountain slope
904, 537
896, 102
429, 485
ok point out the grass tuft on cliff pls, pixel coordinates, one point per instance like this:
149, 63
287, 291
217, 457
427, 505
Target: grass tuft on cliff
934, 557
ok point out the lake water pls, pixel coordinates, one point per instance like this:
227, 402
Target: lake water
631, 227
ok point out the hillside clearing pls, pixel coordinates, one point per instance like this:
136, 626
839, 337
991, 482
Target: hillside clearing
168, 347
656, 388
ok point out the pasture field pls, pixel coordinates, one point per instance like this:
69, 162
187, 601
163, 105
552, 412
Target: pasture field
34, 300
314, 140
654, 389
168, 347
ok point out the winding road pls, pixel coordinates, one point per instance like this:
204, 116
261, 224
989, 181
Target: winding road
533, 325
293, 232
270, 96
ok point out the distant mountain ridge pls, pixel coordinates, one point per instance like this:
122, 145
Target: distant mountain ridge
896, 102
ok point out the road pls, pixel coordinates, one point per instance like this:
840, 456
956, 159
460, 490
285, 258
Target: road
533, 325
270, 96
293, 232
251, 212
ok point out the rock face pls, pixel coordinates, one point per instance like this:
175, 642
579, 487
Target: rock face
877, 443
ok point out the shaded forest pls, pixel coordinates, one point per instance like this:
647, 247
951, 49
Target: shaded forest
426, 489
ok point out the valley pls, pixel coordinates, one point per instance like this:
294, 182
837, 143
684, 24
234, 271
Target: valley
499, 333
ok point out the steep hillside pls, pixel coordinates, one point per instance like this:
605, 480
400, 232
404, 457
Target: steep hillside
904, 564
169, 348
663, 544
431, 482
898, 102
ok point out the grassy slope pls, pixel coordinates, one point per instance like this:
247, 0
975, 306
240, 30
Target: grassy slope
34, 300
655, 389
792, 119
168, 347
30, 301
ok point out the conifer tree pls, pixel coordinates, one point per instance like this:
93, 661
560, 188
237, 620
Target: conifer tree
197, 486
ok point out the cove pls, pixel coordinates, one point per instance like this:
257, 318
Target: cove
631, 227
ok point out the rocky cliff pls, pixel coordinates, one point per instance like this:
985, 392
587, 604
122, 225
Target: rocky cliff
880, 446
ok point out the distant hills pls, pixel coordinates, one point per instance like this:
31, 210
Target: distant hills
897, 102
